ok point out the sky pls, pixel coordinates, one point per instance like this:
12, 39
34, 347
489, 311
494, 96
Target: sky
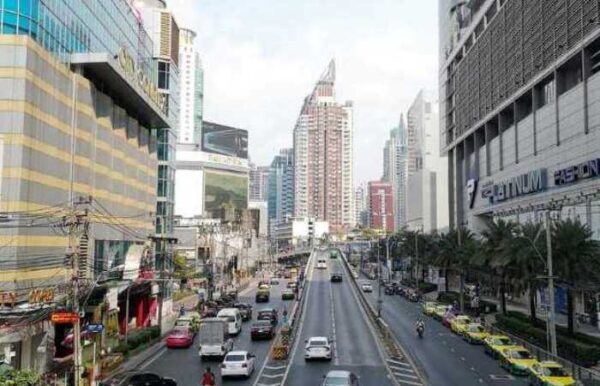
262, 57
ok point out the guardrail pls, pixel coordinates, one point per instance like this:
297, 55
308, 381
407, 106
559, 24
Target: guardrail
390, 343
587, 377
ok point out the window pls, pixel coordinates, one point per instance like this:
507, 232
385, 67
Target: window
163, 75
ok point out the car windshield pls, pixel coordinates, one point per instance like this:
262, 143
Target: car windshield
475, 329
235, 358
520, 354
331, 381
554, 372
503, 342
179, 332
318, 342
261, 324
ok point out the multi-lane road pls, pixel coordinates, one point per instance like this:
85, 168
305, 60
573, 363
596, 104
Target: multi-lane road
332, 310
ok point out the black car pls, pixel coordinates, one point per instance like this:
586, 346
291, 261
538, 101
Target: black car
262, 329
389, 290
136, 378
245, 310
336, 277
269, 314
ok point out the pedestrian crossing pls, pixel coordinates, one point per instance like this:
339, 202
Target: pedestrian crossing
403, 372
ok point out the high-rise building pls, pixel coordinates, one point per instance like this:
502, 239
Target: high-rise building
281, 187
427, 186
259, 182
323, 157
395, 169
520, 113
79, 113
360, 206
381, 206
191, 77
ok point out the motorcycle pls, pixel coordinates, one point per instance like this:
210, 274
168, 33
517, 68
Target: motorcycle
420, 331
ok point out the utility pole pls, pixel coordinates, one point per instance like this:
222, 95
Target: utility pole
462, 280
551, 315
417, 260
379, 301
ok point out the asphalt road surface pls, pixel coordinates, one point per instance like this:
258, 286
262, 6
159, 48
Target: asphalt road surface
333, 311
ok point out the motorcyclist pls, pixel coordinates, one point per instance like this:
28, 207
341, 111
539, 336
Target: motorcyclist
208, 378
420, 327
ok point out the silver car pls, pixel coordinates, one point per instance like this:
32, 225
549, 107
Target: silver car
340, 378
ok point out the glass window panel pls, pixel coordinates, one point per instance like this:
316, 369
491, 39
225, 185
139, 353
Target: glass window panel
11, 5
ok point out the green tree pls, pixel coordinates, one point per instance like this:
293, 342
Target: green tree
576, 259
14, 377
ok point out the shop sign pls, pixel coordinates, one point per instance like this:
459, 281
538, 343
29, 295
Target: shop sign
128, 64
582, 171
8, 298
41, 296
64, 317
527, 183
95, 328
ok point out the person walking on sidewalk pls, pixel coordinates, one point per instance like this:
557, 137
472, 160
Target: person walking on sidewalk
208, 378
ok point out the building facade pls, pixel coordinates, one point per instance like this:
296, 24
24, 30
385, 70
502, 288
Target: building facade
522, 134
360, 206
323, 157
191, 77
427, 186
79, 153
281, 187
395, 169
381, 206
259, 182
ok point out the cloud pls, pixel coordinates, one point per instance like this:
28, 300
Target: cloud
262, 57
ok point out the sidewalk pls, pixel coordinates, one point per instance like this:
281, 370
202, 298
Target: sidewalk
561, 319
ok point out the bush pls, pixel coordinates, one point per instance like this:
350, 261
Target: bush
581, 350
424, 287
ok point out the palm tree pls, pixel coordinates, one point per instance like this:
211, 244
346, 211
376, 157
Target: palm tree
495, 253
527, 252
575, 257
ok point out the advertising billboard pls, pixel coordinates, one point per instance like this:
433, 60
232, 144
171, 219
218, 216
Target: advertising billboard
225, 191
224, 140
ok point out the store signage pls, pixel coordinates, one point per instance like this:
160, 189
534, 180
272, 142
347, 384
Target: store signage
95, 328
128, 64
8, 298
527, 183
41, 296
64, 317
223, 159
582, 171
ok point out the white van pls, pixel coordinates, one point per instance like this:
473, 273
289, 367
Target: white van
233, 318
321, 263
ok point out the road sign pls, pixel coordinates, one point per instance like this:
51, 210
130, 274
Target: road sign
95, 328
64, 317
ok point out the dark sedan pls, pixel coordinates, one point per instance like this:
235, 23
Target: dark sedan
336, 277
245, 311
135, 378
262, 329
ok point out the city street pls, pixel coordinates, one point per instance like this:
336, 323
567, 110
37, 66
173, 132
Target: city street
185, 366
444, 358
333, 311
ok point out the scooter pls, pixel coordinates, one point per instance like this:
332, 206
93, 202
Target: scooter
420, 331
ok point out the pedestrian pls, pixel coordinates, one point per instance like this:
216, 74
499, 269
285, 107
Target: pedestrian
285, 315
208, 378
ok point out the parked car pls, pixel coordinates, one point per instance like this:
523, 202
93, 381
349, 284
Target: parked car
317, 347
262, 329
137, 378
238, 363
459, 324
493, 344
448, 318
429, 308
517, 360
180, 337
550, 373
475, 333
440, 311
245, 310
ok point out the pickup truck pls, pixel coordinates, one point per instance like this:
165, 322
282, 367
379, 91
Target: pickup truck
213, 339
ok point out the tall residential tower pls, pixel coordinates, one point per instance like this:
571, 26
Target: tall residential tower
191, 75
395, 169
323, 157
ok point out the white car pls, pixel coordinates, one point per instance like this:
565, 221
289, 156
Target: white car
317, 347
238, 363
322, 264
367, 287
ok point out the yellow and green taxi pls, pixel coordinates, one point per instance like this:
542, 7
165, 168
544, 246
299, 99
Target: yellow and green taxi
459, 324
517, 360
549, 373
495, 343
440, 311
475, 333
429, 308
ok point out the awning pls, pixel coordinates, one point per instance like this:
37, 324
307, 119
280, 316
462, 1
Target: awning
104, 71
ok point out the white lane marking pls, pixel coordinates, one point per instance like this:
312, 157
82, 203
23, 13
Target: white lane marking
271, 376
308, 280
393, 362
275, 367
336, 358
154, 358
268, 384
405, 375
403, 382
393, 367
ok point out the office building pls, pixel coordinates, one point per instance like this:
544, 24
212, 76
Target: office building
522, 131
427, 186
381, 207
79, 109
323, 157
281, 187
395, 169
360, 206
191, 77
259, 182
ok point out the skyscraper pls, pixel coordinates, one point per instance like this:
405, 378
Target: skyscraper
395, 169
191, 75
360, 206
323, 156
381, 206
427, 187
281, 187
259, 182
